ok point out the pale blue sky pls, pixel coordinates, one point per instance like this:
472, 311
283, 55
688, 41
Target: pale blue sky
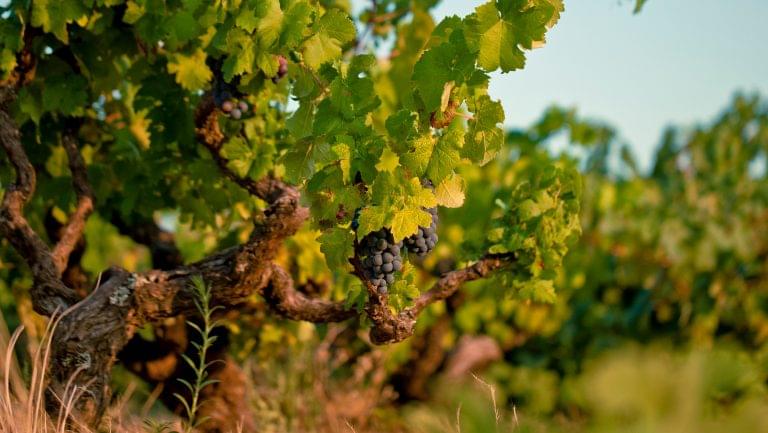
678, 62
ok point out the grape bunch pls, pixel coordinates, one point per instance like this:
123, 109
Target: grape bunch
225, 95
282, 69
380, 258
423, 242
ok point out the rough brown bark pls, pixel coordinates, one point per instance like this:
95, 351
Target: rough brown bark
48, 292
72, 231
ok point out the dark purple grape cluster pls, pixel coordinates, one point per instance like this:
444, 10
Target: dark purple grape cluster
225, 95
380, 256
282, 69
424, 241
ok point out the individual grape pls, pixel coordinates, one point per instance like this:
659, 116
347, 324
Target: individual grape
236, 113
423, 242
380, 257
282, 69
227, 106
243, 106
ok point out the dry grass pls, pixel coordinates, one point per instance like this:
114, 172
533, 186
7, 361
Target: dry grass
295, 393
22, 393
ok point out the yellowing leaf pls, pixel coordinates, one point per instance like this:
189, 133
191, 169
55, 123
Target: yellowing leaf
140, 129
388, 161
450, 192
406, 222
133, 12
191, 71
344, 153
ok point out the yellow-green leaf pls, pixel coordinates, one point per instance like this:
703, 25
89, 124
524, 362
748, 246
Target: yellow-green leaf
450, 192
388, 161
191, 71
406, 222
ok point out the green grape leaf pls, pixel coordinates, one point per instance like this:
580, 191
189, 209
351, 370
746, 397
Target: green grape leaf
484, 137
239, 154
305, 158
398, 204
300, 123
296, 19
439, 66
183, 27
247, 20
65, 94
401, 125
329, 33
242, 54
418, 156
332, 199
337, 244
344, 155
500, 31
31, 102
445, 157
271, 21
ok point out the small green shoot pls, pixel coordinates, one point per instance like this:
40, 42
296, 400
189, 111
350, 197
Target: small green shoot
199, 366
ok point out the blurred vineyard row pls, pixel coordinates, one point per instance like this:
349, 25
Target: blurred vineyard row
661, 317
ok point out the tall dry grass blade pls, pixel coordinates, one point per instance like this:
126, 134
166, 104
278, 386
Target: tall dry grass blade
151, 400
458, 418
492, 391
39, 372
10, 373
65, 406
350, 427
514, 414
